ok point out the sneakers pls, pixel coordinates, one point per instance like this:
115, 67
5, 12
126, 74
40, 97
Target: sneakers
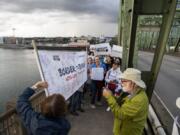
108, 109
93, 106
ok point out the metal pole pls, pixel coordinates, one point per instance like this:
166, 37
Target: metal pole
161, 46
119, 24
127, 17
133, 53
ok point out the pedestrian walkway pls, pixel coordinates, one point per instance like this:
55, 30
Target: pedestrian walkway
92, 121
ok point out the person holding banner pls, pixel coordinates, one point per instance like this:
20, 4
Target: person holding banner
51, 120
98, 71
130, 114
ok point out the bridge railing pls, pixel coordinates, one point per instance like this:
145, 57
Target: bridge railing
10, 123
164, 115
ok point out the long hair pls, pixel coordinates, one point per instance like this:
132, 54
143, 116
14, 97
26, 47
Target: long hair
54, 106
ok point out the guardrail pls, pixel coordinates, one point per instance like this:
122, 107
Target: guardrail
164, 115
10, 123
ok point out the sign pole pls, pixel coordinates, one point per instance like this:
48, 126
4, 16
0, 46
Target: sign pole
39, 64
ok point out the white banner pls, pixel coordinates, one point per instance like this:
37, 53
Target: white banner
64, 71
117, 51
102, 49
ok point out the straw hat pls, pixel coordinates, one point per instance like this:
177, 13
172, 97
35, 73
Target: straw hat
178, 102
134, 75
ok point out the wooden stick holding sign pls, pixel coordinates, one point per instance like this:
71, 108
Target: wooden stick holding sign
39, 64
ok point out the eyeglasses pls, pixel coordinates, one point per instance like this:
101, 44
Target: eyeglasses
124, 81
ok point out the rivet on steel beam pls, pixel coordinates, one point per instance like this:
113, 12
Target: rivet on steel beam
130, 10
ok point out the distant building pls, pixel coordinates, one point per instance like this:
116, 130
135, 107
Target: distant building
10, 40
89, 37
79, 43
27, 41
1, 40
73, 39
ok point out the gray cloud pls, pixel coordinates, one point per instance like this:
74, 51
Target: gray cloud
104, 9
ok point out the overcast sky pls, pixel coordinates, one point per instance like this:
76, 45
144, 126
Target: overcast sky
58, 17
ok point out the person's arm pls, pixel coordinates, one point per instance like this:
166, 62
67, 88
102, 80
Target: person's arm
104, 67
127, 111
107, 77
24, 108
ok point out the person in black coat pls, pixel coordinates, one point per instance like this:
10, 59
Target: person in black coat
51, 120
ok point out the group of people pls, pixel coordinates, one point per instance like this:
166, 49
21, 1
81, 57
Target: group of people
110, 79
124, 93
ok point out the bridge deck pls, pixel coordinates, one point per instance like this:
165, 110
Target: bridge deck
93, 121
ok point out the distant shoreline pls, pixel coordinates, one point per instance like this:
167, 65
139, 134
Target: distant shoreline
14, 46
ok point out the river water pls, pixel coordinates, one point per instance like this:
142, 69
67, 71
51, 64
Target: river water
18, 69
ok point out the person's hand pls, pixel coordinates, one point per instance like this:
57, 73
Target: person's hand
40, 85
106, 92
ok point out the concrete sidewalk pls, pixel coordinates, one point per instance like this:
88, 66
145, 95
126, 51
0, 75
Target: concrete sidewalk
93, 121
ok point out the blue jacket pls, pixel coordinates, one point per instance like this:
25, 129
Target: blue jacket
101, 65
36, 123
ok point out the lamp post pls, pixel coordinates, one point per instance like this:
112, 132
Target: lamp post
13, 29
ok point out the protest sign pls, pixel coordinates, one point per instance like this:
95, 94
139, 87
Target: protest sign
102, 49
97, 74
65, 71
117, 51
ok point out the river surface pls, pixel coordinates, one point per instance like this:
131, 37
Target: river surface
18, 69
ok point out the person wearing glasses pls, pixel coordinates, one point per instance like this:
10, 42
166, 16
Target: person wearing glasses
130, 112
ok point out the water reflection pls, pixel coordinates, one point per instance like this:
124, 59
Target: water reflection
18, 69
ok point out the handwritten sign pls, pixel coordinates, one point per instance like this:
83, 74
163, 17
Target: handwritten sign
97, 74
64, 71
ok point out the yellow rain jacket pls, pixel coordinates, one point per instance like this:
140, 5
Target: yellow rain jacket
130, 117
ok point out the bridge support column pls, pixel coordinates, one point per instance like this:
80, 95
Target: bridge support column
167, 21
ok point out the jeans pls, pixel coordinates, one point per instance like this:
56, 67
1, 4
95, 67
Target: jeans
79, 101
73, 102
96, 88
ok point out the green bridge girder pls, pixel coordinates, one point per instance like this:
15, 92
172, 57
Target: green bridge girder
128, 15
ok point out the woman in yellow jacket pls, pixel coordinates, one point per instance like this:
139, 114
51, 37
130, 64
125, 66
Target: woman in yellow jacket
130, 113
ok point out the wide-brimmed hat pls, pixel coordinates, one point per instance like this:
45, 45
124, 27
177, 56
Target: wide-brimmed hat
134, 75
178, 102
